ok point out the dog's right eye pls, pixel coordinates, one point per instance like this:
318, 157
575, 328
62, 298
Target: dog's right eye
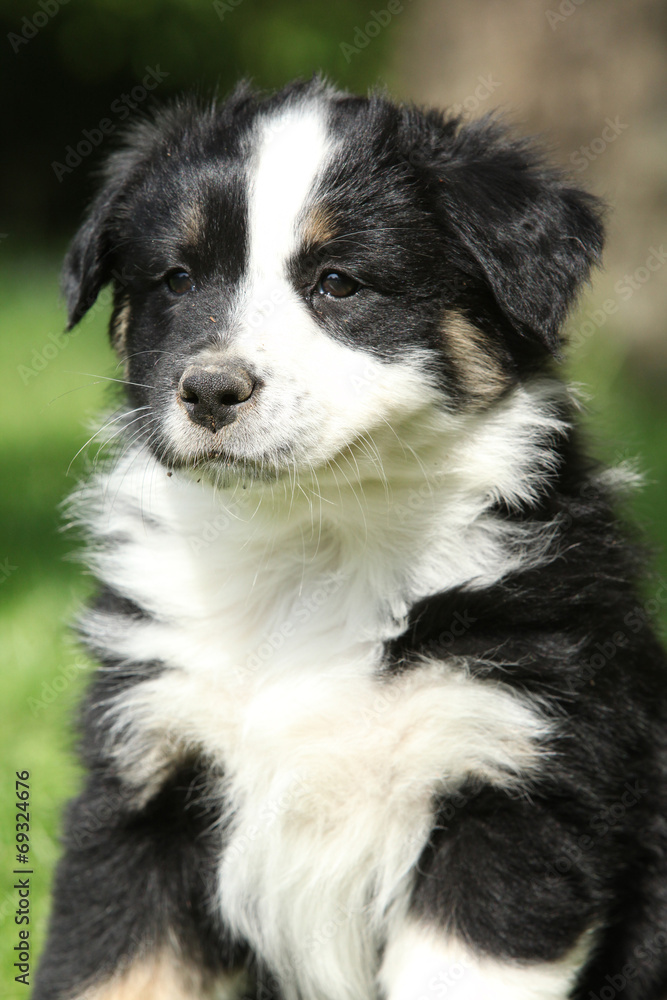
337, 285
180, 282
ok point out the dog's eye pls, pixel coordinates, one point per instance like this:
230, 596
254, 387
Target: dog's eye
180, 282
337, 284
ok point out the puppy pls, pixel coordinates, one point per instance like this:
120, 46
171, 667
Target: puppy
379, 713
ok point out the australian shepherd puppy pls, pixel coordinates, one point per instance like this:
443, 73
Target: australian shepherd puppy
379, 712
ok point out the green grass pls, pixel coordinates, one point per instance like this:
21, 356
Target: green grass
627, 420
43, 417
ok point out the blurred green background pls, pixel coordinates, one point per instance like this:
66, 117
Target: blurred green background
591, 79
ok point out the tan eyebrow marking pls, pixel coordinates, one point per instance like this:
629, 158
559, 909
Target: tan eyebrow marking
119, 324
318, 226
192, 220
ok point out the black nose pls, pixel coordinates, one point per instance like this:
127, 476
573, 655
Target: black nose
213, 394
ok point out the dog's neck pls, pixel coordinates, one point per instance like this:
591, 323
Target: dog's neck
404, 513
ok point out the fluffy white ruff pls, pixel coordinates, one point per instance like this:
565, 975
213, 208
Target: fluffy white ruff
270, 608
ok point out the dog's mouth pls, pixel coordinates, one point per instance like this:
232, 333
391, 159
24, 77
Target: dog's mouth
221, 463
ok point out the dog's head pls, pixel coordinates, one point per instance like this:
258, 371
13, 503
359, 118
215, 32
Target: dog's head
291, 272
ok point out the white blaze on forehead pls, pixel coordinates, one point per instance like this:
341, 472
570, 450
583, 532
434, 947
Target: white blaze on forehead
292, 149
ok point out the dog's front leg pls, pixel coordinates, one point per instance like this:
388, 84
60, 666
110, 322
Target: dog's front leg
424, 962
494, 913
133, 915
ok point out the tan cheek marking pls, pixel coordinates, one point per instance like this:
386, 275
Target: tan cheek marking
482, 372
165, 977
318, 226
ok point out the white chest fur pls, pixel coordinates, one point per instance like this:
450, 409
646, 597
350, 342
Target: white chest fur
330, 779
272, 645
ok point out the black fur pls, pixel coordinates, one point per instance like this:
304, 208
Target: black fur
590, 846
132, 878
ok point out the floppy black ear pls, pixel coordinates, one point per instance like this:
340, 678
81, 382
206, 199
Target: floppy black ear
533, 238
90, 259
87, 266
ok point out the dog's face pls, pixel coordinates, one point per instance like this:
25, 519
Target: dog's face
291, 273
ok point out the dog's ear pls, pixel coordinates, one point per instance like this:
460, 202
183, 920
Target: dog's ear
526, 232
87, 267
91, 258
89, 261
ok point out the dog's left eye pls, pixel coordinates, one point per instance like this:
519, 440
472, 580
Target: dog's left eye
180, 282
337, 284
